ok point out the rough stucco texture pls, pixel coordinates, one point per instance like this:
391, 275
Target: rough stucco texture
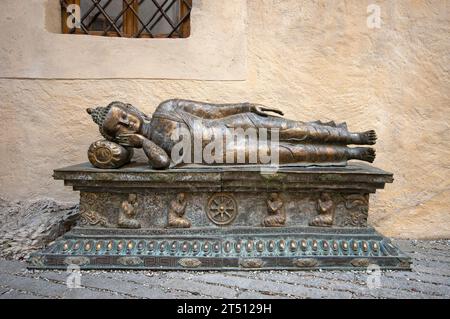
313, 60
38, 49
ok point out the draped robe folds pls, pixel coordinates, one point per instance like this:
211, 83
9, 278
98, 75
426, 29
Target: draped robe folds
277, 140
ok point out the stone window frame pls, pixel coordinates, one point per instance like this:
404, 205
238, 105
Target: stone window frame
132, 24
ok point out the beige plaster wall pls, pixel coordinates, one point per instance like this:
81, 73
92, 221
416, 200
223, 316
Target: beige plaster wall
37, 49
314, 60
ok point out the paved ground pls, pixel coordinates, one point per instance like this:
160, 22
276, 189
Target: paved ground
430, 278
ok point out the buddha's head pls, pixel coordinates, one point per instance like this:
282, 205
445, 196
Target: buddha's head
273, 196
181, 197
132, 198
117, 118
325, 197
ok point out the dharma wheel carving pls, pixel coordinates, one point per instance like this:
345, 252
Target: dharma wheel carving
222, 209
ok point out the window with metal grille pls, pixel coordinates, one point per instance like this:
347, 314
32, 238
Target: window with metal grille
127, 18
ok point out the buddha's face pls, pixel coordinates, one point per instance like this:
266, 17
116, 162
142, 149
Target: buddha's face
325, 197
120, 120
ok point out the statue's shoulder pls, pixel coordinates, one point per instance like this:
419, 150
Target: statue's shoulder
169, 105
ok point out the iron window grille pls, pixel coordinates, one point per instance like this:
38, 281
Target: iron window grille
127, 18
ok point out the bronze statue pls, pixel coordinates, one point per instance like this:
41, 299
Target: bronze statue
128, 213
300, 143
277, 216
177, 208
325, 207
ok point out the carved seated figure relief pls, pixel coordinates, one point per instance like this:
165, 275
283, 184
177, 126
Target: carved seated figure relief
298, 143
128, 213
177, 209
325, 208
277, 216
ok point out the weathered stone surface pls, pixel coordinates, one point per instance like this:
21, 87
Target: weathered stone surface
235, 214
246, 189
30, 225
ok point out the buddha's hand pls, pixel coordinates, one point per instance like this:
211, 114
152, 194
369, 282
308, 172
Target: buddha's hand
262, 110
130, 140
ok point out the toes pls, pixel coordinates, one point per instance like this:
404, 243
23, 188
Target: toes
371, 154
368, 154
371, 137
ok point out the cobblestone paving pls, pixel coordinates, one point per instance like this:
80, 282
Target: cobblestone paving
430, 278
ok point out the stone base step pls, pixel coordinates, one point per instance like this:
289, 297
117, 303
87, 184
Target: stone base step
214, 249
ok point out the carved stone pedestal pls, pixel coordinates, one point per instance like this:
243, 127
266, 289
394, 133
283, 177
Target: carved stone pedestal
223, 218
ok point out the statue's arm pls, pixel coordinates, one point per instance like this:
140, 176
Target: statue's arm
279, 204
212, 111
272, 206
216, 111
157, 157
180, 209
320, 206
325, 206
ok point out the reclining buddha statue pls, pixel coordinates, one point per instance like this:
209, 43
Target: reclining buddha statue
296, 143
229, 187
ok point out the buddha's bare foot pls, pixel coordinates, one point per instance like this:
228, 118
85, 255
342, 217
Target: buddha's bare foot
367, 154
363, 138
368, 137
362, 153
